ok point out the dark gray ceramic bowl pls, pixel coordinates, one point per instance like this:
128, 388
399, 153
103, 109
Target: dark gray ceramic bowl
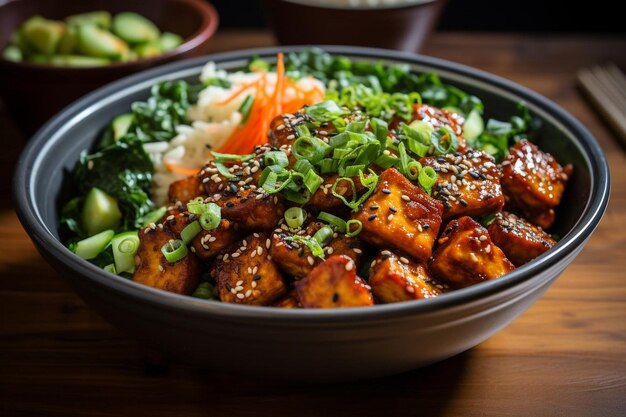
308, 345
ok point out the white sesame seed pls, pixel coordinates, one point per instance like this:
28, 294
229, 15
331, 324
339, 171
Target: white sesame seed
330, 250
249, 270
280, 127
406, 197
482, 238
240, 296
238, 288
473, 257
259, 251
310, 260
404, 260
253, 284
233, 291
291, 137
349, 266
255, 269
409, 289
390, 217
357, 250
268, 242
248, 293
235, 255
212, 239
225, 257
240, 282
420, 228
488, 249
385, 252
161, 268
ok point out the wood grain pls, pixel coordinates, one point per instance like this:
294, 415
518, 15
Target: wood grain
566, 356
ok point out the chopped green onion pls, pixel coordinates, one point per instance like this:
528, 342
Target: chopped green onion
368, 182
323, 235
197, 206
335, 222
190, 231
275, 158
125, 246
381, 130
229, 157
224, 171
427, 178
303, 166
298, 196
205, 290
211, 218
334, 192
245, 108
174, 250
352, 232
328, 166
487, 220
92, 246
153, 217
340, 153
473, 126
273, 181
311, 148
443, 134
413, 170
295, 217
313, 245
387, 161
312, 181
352, 171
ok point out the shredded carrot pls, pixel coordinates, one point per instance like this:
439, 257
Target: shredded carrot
266, 106
178, 169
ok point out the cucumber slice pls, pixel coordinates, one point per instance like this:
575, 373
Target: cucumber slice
92, 246
100, 212
169, 41
100, 18
473, 126
77, 61
12, 53
42, 34
121, 124
134, 28
97, 42
125, 246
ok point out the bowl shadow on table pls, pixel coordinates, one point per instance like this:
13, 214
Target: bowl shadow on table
429, 390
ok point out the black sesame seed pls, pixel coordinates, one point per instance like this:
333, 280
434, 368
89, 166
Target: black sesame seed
335, 297
230, 204
425, 226
372, 217
374, 207
393, 209
474, 175
243, 200
228, 286
256, 277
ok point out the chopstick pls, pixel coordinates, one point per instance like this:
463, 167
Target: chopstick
606, 88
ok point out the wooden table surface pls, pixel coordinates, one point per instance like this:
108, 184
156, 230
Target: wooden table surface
566, 356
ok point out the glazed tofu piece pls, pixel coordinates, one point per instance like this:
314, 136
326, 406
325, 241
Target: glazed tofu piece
334, 283
290, 300
283, 133
520, 240
295, 258
180, 277
252, 209
534, 182
207, 243
246, 173
246, 274
324, 200
437, 118
467, 184
466, 255
395, 278
185, 189
401, 216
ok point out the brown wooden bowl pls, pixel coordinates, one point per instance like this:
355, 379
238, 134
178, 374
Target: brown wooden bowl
33, 93
404, 26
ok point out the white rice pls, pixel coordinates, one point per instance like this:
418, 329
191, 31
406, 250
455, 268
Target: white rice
210, 128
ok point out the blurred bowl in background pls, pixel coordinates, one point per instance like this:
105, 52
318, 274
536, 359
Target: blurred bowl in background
392, 24
33, 93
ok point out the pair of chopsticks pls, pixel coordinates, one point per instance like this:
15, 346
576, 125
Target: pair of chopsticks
605, 85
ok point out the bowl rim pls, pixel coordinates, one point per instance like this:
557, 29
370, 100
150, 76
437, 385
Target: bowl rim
208, 26
26, 203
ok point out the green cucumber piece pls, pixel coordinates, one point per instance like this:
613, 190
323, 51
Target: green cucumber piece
12, 53
125, 246
69, 41
100, 212
42, 34
148, 50
134, 28
473, 126
97, 42
169, 41
121, 124
78, 61
92, 246
100, 18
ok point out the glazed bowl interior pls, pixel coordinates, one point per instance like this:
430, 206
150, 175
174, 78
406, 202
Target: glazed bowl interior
197, 330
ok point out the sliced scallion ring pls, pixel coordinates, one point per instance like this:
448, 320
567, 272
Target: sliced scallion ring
353, 227
210, 219
335, 222
125, 246
312, 181
174, 250
190, 231
323, 235
427, 178
275, 158
295, 217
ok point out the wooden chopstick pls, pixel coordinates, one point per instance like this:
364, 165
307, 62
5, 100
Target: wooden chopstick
606, 89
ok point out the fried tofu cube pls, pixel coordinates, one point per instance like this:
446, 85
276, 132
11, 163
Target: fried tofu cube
436, 118
467, 184
253, 210
180, 277
290, 300
245, 273
534, 182
185, 189
400, 215
245, 173
520, 240
334, 283
466, 255
207, 243
395, 278
283, 133
295, 257
324, 200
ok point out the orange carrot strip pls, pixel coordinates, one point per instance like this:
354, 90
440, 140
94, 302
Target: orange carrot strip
180, 170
